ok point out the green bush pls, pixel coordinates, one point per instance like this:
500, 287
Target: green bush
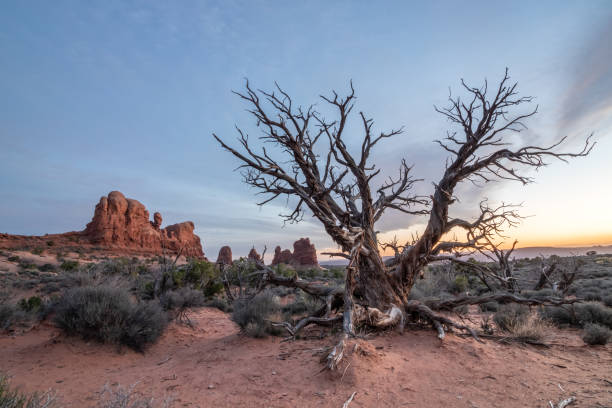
13, 258
595, 334
69, 265
458, 285
37, 251
607, 300
253, 316
32, 304
109, 315
50, 243
47, 267
13, 398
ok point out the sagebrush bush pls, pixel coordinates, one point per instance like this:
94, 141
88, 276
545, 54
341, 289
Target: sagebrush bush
510, 315
489, 307
253, 316
607, 300
109, 315
579, 314
220, 304
120, 397
69, 265
594, 334
181, 299
14, 398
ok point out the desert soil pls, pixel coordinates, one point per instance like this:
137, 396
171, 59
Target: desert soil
213, 365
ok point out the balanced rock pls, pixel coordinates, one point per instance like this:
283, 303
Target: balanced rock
225, 256
123, 223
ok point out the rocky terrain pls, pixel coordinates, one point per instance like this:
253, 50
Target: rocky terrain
122, 225
304, 254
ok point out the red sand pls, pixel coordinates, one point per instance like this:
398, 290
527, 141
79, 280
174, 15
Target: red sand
212, 365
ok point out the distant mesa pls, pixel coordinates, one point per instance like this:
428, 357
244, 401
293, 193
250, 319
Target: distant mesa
122, 224
225, 256
304, 254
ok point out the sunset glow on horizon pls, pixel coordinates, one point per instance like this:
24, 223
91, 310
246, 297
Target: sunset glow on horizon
102, 97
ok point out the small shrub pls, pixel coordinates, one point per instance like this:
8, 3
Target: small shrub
37, 251
531, 328
47, 267
50, 243
32, 304
607, 300
489, 307
13, 258
182, 298
595, 334
69, 266
220, 304
13, 398
510, 315
458, 285
579, 314
253, 316
119, 397
108, 315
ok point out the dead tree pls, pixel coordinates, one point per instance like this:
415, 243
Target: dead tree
305, 157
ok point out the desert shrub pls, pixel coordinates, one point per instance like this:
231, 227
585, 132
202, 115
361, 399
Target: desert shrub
579, 314
530, 328
541, 294
46, 267
489, 307
25, 264
109, 315
303, 304
182, 298
50, 243
596, 334
220, 304
119, 397
458, 285
510, 315
415, 293
37, 251
14, 398
32, 304
144, 325
13, 258
607, 300
69, 265
253, 315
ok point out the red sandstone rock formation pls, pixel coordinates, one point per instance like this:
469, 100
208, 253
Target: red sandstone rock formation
225, 256
281, 256
120, 222
120, 225
254, 255
157, 221
304, 254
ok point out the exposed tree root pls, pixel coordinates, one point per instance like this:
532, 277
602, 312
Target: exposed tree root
438, 321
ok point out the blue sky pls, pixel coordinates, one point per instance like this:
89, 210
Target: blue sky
124, 95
